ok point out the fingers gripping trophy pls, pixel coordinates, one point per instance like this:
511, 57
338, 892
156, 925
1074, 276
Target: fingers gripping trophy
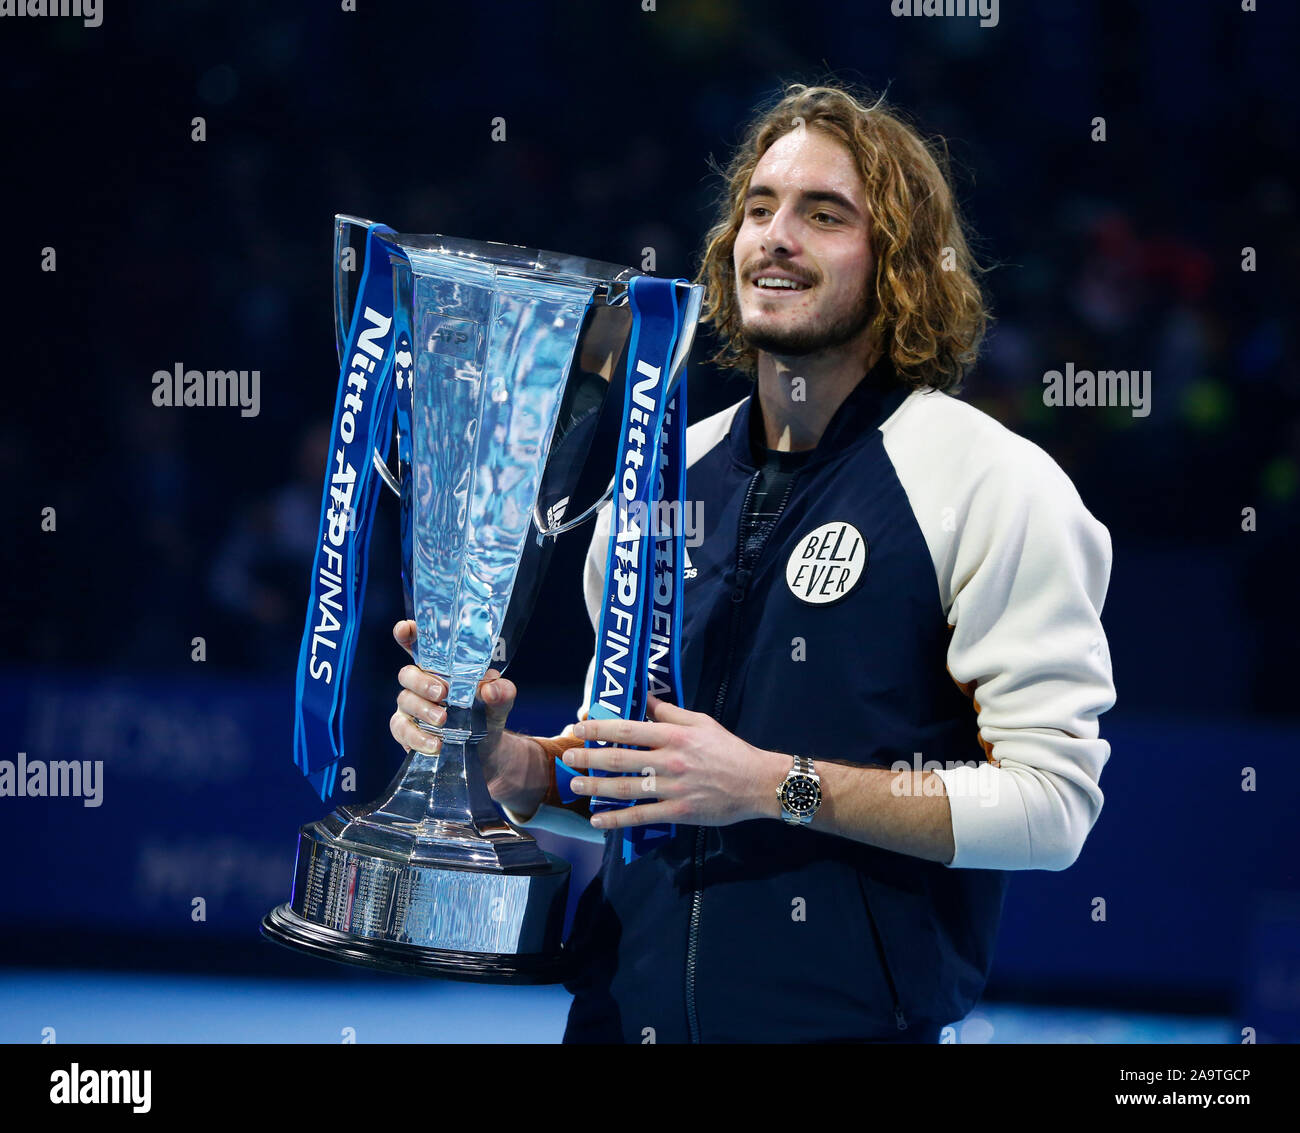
495, 362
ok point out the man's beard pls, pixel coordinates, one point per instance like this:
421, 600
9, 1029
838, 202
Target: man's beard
799, 342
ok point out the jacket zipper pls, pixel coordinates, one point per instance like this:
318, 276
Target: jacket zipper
738, 592
692, 1020
899, 1018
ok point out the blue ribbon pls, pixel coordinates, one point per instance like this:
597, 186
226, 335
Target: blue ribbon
664, 667
363, 412
637, 642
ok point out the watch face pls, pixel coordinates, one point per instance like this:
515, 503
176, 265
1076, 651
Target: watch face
801, 794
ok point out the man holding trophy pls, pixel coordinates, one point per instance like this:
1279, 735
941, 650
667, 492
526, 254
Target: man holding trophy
887, 662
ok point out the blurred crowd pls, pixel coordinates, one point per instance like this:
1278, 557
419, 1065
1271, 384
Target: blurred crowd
1124, 253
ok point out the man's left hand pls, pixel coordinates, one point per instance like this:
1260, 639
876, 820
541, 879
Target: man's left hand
699, 773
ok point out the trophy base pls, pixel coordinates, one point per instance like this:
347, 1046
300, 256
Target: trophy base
363, 905
283, 926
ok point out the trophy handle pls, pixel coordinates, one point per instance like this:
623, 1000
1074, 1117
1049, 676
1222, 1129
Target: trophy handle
386, 474
690, 320
544, 532
342, 308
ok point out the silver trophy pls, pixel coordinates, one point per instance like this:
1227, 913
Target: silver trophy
514, 352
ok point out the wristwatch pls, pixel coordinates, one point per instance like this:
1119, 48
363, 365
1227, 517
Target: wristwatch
800, 793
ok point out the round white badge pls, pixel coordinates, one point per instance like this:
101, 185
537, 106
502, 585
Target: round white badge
826, 563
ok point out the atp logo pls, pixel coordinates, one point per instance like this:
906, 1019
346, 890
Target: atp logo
827, 563
555, 513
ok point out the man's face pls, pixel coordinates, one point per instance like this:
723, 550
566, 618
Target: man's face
806, 221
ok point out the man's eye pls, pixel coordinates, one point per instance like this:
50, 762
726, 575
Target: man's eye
756, 210
826, 216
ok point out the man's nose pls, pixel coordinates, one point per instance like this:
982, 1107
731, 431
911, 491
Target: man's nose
779, 238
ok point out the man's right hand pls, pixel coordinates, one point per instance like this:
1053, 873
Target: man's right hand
515, 767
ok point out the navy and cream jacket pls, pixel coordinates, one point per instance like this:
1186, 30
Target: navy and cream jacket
928, 597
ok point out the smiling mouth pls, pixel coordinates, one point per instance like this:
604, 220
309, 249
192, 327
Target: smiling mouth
772, 286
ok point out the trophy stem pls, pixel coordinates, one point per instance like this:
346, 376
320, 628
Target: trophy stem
437, 810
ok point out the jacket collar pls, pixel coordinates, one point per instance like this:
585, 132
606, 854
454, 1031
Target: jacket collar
868, 404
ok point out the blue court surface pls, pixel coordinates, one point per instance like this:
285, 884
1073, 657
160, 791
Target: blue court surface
97, 1007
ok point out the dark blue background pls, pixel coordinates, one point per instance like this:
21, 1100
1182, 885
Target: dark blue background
174, 524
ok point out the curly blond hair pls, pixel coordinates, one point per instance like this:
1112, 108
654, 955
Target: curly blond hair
930, 314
